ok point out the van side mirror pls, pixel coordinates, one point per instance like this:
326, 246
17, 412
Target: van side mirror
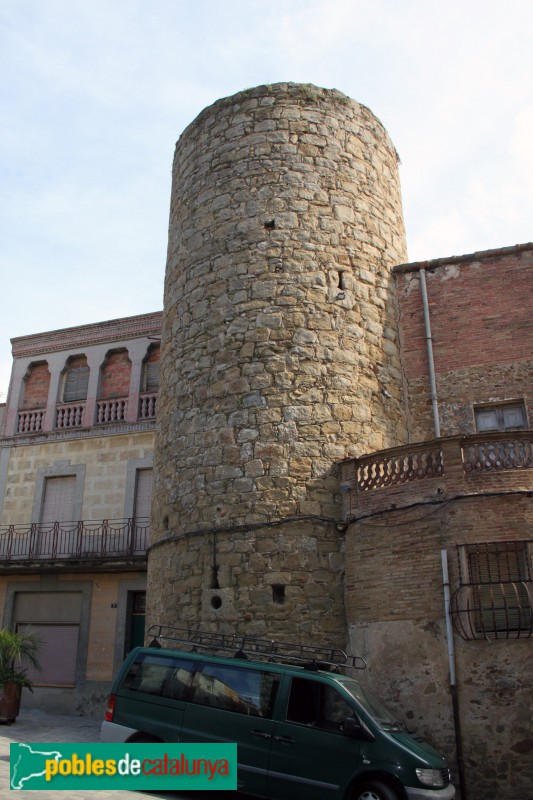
354, 729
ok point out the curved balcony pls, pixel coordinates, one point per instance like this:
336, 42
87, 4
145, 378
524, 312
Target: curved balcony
85, 541
437, 469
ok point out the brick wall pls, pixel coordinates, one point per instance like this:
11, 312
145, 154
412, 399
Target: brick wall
36, 386
482, 329
115, 375
395, 608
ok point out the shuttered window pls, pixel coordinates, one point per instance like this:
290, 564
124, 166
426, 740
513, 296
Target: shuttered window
57, 655
498, 574
76, 384
506, 417
143, 493
151, 376
58, 500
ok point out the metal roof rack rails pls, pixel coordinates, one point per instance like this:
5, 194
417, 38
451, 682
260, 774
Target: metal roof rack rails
309, 656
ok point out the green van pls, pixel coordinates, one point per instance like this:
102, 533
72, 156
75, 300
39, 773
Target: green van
302, 728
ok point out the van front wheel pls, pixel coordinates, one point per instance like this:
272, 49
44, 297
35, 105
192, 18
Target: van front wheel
374, 790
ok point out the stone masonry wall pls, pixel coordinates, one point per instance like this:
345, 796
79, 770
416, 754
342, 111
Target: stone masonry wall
272, 582
279, 353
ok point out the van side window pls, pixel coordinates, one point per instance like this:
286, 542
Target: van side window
245, 691
317, 704
164, 676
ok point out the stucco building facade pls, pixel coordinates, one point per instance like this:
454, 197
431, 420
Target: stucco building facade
76, 458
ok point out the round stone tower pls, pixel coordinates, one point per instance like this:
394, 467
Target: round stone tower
279, 358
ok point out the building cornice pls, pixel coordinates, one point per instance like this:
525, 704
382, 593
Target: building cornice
478, 256
143, 325
120, 429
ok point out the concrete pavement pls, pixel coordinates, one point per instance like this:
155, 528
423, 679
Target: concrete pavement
38, 726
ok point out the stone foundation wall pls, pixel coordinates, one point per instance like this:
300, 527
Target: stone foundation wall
283, 582
395, 614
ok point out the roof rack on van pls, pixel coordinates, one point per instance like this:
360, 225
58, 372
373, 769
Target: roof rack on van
241, 646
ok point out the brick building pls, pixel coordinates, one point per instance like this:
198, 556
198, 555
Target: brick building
466, 492
75, 486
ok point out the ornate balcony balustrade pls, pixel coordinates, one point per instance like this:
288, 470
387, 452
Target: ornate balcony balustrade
74, 415
436, 469
398, 467
101, 540
111, 410
30, 420
70, 415
148, 405
506, 453
475, 454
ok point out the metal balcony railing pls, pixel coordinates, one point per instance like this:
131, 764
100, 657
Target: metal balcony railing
100, 540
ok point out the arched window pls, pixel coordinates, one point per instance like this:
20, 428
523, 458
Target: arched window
151, 369
114, 388
33, 401
76, 380
150, 383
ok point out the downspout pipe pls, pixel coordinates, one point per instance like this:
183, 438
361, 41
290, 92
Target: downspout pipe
453, 683
429, 345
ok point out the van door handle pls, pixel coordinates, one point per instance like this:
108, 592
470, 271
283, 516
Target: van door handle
261, 734
284, 739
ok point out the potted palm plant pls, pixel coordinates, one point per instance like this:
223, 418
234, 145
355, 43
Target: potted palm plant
18, 651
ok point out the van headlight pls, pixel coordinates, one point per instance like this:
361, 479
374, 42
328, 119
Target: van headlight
430, 777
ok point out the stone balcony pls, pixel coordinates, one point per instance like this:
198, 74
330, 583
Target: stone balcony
436, 470
75, 415
111, 543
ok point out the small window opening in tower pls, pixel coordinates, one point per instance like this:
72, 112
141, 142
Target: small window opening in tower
278, 593
214, 578
342, 280
216, 602
270, 225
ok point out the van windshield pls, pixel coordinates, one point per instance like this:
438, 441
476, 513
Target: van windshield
373, 706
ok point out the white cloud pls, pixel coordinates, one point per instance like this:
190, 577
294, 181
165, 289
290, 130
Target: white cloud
97, 93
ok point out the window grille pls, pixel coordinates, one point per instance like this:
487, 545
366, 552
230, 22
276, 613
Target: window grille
495, 599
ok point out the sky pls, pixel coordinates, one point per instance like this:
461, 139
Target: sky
95, 93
